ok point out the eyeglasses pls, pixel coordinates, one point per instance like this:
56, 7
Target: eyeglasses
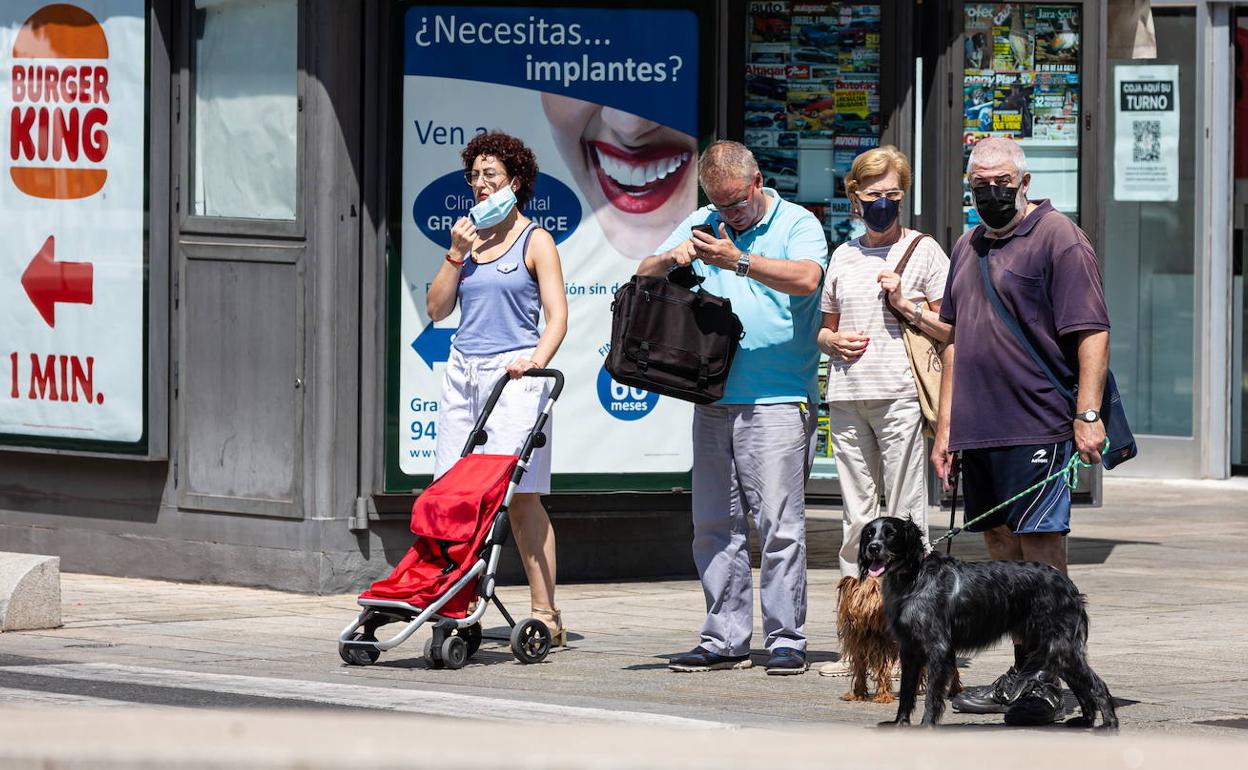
871, 196
489, 175
739, 205
1005, 180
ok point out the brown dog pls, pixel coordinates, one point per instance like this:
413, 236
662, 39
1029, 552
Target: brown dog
865, 642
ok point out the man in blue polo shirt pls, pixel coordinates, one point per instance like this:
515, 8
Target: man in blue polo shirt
752, 450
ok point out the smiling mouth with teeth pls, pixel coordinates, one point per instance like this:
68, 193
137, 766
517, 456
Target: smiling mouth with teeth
638, 182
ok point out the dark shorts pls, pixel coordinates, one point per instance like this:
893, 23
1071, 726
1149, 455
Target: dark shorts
991, 476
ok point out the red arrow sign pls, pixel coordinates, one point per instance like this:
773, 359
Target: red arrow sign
48, 282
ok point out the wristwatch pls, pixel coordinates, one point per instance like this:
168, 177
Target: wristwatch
743, 264
1088, 415
916, 315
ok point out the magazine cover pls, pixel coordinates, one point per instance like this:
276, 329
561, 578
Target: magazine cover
977, 96
860, 47
766, 92
858, 106
769, 22
1057, 38
811, 107
977, 36
1013, 37
815, 32
1011, 104
1055, 107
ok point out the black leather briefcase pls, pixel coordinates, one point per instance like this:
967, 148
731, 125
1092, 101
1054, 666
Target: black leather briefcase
672, 340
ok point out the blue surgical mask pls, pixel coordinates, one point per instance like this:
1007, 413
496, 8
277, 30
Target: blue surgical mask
493, 209
880, 215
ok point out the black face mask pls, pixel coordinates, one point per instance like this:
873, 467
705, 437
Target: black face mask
996, 205
880, 215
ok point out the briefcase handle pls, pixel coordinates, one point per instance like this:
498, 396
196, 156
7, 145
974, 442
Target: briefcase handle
684, 277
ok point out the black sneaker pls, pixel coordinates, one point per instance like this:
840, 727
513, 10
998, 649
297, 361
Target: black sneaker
995, 698
701, 659
1039, 704
786, 661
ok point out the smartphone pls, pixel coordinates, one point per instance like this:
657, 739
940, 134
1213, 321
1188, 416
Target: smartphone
705, 229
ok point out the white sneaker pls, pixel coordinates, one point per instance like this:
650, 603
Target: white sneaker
836, 668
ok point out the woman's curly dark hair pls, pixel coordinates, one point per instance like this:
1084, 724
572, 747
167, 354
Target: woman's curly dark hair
517, 158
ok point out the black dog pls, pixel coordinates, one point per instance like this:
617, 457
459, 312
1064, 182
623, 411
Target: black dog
938, 606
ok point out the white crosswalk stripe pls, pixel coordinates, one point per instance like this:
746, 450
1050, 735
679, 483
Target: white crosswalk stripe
426, 702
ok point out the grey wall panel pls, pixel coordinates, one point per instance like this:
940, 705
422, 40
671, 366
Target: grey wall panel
332, 201
241, 386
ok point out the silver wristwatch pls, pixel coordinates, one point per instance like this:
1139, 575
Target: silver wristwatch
1088, 415
916, 315
743, 264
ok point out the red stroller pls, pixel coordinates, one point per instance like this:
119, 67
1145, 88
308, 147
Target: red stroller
460, 523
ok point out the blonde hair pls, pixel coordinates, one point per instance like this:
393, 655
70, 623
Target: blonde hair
877, 162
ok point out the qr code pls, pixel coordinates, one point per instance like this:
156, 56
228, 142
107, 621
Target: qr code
1147, 148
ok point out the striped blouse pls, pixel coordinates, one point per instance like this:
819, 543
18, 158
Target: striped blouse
852, 290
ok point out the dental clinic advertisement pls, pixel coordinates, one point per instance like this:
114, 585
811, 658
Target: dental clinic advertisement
1146, 138
607, 99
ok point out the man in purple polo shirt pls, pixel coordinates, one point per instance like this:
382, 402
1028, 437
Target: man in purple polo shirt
997, 407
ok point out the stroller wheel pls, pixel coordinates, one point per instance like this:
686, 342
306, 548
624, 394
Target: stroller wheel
359, 656
530, 641
433, 655
472, 636
454, 652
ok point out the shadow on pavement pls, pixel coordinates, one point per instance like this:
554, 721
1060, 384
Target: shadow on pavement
1079, 550
823, 542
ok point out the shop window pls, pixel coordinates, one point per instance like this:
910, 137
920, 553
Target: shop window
245, 110
812, 104
812, 101
1021, 77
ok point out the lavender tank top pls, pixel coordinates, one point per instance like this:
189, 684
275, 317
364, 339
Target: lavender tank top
498, 303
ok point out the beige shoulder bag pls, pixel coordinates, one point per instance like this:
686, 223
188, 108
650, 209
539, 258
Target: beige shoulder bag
923, 352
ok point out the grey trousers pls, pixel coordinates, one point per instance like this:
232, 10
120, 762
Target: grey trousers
751, 459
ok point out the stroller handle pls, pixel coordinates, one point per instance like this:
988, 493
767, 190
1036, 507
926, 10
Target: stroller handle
477, 436
553, 374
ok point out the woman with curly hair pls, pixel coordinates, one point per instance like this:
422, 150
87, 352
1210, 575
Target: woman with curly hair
502, 269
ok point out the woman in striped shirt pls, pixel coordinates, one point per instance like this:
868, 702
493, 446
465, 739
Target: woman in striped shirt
874, 416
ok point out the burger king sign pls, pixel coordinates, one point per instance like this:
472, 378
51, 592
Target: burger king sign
72, 262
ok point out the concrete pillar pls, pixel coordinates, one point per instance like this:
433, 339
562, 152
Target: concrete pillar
30, 591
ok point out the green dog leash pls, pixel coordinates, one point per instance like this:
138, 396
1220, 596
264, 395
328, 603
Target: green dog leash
1069, 473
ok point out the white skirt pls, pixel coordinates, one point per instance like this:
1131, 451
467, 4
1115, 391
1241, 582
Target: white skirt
465, 391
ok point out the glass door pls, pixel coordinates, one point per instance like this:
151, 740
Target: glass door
1152, 243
